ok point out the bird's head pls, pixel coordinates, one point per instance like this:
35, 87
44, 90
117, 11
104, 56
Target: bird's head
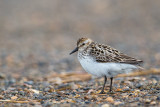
82, 44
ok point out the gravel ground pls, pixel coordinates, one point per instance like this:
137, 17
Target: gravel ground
52, 91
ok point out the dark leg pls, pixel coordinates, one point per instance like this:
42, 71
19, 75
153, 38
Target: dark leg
102, 91
111, 84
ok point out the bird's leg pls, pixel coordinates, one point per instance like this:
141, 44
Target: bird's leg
111, 84
102, 91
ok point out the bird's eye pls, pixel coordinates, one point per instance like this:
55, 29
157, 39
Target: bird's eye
83, 44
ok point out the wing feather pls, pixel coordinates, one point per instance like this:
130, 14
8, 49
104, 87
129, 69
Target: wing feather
104, 54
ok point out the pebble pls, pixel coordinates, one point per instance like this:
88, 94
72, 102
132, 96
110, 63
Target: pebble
131, 94
14, 92
21, 93
86, 88
67, 93
14, 97
2, 76
158, 98
11, 81
126, 89
73, 93
110, 99
147, 101
139, 85
117, 103
34, 91
105, 105
137, 98
87, 102
47, 89
1, 96
29, 82
74, 86
153, 103
42, 102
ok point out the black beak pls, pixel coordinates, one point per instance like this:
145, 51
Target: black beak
75, 50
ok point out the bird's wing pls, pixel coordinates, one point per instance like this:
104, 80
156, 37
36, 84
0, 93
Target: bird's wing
105, 54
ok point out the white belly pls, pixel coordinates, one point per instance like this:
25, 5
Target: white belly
105, 69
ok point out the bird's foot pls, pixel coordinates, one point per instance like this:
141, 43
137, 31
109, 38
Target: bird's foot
110, 92
102, 92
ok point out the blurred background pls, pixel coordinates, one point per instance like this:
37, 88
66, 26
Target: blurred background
36, 36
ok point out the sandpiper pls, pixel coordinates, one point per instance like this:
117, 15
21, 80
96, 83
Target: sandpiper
104, 61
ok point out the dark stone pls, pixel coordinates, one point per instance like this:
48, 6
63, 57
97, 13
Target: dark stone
42, 102
139, 85
86, 88
67, 93
29, 82
158, 98
87, 102
21, 93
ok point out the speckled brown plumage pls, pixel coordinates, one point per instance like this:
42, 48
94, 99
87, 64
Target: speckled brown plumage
104, 53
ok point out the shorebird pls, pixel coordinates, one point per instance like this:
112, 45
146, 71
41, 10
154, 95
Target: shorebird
104, 61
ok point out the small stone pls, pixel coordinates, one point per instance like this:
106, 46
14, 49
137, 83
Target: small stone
137, 98
86, 97
90, 91
158, 97
34, 91
29, 82
73, 93
21, 93
1, 96
131, 94
110, 99
86, 88
74, 86
153, 103
42, 102
139, 85
67, 93
147, 101
125, 95
87, 102
126, 89
14, 92
119, 90
14, 97
2, 76
105, 105
12, 80
47, 89
117, 103
58, 80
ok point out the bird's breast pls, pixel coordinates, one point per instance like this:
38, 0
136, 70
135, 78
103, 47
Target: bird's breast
104, 69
